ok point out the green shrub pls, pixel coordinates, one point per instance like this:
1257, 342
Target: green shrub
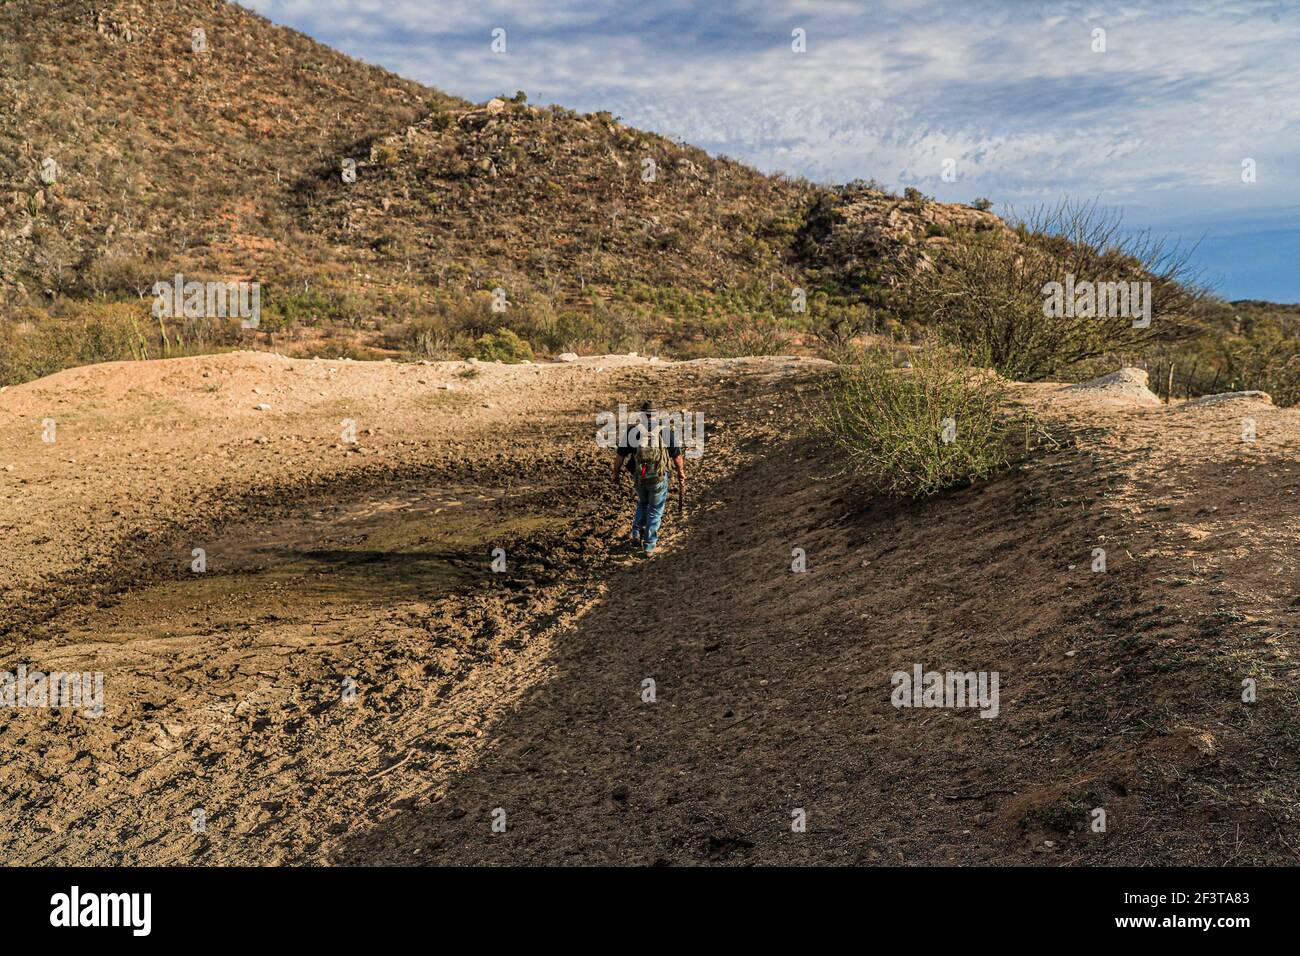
338, 349
285, 309
387, 152
441, 119
837, 326
39, 342
574, 330
113, 275
888, 424
502, 344
427, 338
751, 336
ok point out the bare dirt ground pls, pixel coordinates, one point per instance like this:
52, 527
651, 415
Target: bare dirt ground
333, 565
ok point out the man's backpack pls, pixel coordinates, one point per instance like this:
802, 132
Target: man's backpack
650, 457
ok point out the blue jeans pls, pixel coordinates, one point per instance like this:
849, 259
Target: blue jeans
650, 504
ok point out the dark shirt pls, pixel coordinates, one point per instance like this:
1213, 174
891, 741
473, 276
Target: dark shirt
671, 441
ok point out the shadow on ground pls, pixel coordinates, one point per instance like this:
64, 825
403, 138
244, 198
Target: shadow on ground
771, 695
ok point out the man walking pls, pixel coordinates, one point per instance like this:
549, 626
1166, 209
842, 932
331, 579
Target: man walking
650, 447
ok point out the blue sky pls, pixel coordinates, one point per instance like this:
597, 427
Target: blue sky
1015, 94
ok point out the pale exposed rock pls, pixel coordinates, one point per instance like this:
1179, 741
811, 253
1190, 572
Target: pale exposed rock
1127, 385
1253, 395
477, 119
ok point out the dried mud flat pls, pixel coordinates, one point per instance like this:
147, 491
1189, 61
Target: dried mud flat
332, 565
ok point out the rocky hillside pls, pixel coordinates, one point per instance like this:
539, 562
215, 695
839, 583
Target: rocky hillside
550, 201
860, 236
382, 218
169, 148
133, 146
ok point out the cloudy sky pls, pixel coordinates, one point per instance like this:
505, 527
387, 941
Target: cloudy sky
1030, 101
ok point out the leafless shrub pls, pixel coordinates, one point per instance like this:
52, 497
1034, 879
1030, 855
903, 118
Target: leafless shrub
986, 292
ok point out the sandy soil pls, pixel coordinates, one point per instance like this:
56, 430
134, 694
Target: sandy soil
334, 566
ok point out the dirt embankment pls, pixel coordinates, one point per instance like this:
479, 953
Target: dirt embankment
349, 681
